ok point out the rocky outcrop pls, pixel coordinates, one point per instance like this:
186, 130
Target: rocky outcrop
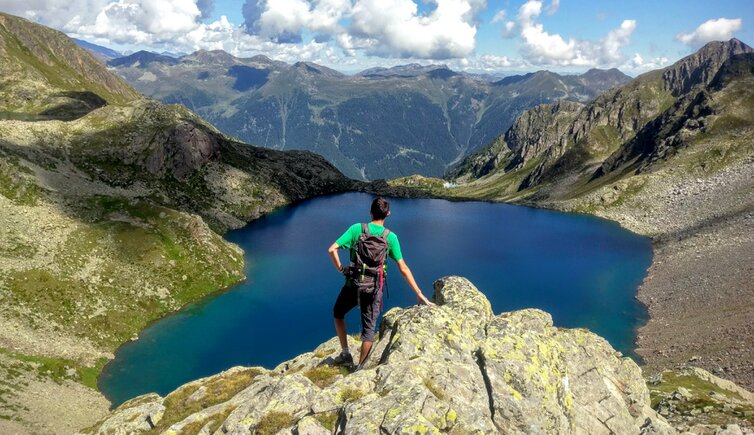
185, 149
701, 67
536, 130
454, 368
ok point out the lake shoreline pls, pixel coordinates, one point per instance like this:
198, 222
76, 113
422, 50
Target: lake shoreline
698, 290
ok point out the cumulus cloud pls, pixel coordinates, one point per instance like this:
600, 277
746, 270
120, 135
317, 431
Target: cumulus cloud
285, 20
143, 21
720, 29
379, 27
544, 48
395, 28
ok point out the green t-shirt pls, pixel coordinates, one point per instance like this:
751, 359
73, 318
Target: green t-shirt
351, 236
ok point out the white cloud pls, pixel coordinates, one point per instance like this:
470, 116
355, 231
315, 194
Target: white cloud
144, 21
490, 62
554, 6
378, 27
542, 48
611, 47
637, 62
293, 16
499, 16
395, 28
510, 26
64, 15
720, 29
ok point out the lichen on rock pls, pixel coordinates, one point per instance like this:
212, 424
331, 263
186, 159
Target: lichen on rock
453, 368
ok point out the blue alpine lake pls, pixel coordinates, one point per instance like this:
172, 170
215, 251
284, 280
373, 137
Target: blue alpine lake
582, 270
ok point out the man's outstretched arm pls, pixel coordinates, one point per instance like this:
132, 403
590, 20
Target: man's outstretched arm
333, 251
409, 277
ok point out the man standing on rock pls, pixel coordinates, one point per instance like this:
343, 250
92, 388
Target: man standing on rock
369, 246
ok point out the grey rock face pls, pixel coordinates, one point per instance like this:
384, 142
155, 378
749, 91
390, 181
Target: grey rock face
185, 149
451, 368
536, 129
701, 67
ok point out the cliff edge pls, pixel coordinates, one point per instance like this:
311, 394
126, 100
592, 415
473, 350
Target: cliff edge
453, 368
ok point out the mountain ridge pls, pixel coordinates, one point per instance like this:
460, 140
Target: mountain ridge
624, 111
365, 124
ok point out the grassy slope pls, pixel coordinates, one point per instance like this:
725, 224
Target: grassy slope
110, 216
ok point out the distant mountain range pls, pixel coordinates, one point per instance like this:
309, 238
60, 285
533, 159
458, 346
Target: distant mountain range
100, 52
379, 123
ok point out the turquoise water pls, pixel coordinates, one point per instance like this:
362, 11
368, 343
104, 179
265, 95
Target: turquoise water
583, 270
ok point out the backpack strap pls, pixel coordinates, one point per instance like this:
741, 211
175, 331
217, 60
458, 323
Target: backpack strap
385, 233
365, 230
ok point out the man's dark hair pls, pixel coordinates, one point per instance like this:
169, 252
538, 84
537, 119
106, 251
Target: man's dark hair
380, 208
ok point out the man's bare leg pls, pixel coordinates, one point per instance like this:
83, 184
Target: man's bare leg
366, 346
340, 329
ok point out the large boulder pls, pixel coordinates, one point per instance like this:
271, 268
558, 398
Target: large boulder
451, 368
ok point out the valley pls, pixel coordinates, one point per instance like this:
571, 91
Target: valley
379, 123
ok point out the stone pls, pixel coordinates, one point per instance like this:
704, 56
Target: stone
137, 415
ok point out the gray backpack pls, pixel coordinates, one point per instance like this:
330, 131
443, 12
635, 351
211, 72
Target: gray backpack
368, 268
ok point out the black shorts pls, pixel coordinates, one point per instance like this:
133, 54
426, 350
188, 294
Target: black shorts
371, 304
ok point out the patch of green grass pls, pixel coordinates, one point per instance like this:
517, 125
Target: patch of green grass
604, 139
57, 368
219, 389
498, 185
149, 260
273, 423
428, 184
727, 122
194, 427
15, 185
350, 394
327, 419
671, 381
700, 401
324, 375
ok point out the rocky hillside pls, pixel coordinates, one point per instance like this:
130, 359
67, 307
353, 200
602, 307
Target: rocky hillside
45, 75
111, 210
453, 368
560, 151
380, 123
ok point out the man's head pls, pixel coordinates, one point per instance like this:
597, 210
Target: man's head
380, 209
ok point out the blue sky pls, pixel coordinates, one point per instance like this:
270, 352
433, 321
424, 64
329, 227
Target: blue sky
495, 36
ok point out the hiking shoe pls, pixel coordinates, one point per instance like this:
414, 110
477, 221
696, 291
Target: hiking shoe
344, 359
